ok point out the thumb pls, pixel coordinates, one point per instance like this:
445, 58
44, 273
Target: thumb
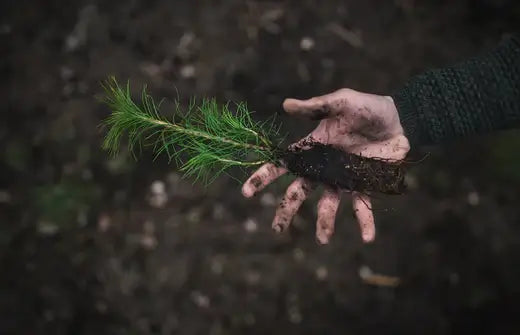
315, 108
321, 107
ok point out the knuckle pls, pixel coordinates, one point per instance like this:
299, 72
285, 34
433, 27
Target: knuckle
344, 91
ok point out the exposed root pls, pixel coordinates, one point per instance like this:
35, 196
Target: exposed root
346, 171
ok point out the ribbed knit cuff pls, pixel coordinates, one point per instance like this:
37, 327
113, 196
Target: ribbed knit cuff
408, 115
475, 96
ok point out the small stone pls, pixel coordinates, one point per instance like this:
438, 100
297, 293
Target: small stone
200, 299
5, 197
68, 89
47, 228
268, 199
187, 71
252, 277
104, 223
250, 225
365, 272
66, 73
158, 200
295, 316
194, 215
411, 181
217, 266
306, 43
158, 187
473, 198
298, 254
82, 218
86, 174
82, 87
151, 69
148, 242
322, 273
218, 211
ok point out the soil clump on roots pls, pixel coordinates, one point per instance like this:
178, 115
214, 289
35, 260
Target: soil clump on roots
333, 167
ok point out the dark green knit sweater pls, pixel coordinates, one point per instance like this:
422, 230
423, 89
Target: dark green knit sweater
476, 96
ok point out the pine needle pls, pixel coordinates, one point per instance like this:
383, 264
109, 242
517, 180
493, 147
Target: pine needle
211, 135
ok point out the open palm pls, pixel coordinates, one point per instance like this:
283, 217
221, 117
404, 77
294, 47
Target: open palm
360, 123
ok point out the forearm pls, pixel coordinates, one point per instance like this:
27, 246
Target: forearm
475, 96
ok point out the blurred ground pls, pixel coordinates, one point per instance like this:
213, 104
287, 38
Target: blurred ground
93, 245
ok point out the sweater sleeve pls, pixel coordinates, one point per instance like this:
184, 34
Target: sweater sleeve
476, 96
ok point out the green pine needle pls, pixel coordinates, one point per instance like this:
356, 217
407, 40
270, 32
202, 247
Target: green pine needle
211, 135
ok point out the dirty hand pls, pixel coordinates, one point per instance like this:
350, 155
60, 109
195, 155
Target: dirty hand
359, 123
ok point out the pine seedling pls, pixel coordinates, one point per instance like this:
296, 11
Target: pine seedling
215, 139
211, 135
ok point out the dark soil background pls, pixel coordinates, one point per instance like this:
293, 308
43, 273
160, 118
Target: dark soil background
97, 245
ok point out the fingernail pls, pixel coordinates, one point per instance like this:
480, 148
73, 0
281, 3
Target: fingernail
322, 240
368, 238
247, 191
277, 228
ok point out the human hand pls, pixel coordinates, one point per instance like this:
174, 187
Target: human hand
359, 123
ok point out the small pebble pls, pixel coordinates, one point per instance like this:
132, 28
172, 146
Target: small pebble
295, 316
5, 197
411, 181
47, 228
250, 225
104, 223
473, 198
200, 299
252, 277
194, 215
82, 218
158, 200
151, 69
268, 199
217, 266
158, 187
187, 71
66, 73
306, 43
82, 87
148, 242
298, 254
322, 273
218, 211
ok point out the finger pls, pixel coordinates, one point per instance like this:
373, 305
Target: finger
262, 177
327, 209
363, 210
295, 195
318, 108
